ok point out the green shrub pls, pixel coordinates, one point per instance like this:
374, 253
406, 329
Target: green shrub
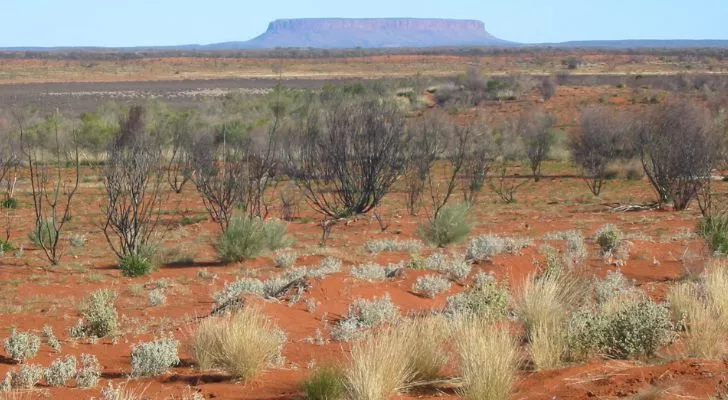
11, 203
608, 238
6, 246
714, 230
44, 233
488, 299
449, 226
135, 265
638, 329
585, 331
247, 238
99, 315
326, 383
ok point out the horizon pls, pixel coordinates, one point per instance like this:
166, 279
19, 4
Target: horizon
85, 23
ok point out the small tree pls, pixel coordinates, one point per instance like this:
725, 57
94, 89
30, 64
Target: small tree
346, 160
178, 127
424, 148
535, 130
600, 140
133, 188
52, 194
679, 148
510, 151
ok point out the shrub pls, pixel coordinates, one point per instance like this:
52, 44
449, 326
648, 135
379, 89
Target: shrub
485, 247
154, 358
585, 334
449, 226
11, 203
487, 300
238, 288
328, 266
639, 328
22, 346
285, 258
457, 268
608, 238
364, 314
157, 297
90, 372
134, 265
430, 285
374, 272
99, 316
78, 240
326, 383
612, 286
61, 371
247, 238
488, 360
44, 233
242, 344
51, 339
27, 376
6, 246
714, 229
384, 245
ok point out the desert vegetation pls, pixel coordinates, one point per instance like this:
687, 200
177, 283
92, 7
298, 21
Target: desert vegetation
413, 237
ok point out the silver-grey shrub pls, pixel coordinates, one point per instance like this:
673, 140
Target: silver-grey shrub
157, 297
22, 346
613, 285
638, 329
27, 376
485, 247
393, 245
238, 288
430, 285
154, 358
99, 315
364, 314
374, 272
285, 258
487, 299
90, 372
51, 339
61, 371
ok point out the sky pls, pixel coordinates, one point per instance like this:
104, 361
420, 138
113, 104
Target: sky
174, 22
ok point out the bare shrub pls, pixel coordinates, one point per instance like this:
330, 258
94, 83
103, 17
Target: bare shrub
52, 193
346, 159
133, 188
535, 129
425, 138
549, 85
601, 139
178, 128
679, 148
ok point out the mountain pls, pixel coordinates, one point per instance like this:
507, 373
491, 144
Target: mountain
337, 33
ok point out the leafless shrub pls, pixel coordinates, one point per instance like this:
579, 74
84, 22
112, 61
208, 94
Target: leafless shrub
602, 138
178, 127
290, 199
346, 160
133, 187
678, 147
535, 130
509, 148
52, 194
424, 148
548, 87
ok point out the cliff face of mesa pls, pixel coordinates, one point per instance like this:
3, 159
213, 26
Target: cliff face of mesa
373, 33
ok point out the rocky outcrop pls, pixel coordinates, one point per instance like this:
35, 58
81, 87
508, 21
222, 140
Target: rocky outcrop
373, 33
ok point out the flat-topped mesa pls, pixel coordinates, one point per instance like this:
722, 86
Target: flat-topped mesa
373, 33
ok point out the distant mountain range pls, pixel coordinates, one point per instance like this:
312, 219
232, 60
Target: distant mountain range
342, 33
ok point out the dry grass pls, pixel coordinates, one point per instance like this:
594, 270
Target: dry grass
716, 289
427, 353
242, 344
547, 345
488, 361
380, 365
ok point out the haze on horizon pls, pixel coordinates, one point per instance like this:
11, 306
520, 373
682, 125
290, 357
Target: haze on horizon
49, 23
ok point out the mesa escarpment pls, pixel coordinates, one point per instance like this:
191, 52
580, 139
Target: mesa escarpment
373, 33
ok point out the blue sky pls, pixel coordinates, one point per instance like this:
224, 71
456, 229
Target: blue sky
169, 22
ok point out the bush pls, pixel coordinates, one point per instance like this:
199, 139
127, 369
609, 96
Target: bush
51, 339
485, 247
154, 358
374, 272
612, 286
430, 285
134, 265
26, 377
382, 245
99, 316
638, 329
6, 246
242, 344
488, 358
608, 238
585, 334
326, 383
44, 233
11, 203
285, 258
157, 297
449, 226
238, 288
90, 372
61, 371
364, 314
22, 346
714, 229
487, 300
247, 238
